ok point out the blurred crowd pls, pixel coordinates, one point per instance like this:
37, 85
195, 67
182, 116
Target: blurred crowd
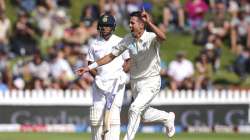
213, 24
43, 47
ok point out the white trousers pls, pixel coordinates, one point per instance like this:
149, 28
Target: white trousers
113, 134
144, 91
97, 113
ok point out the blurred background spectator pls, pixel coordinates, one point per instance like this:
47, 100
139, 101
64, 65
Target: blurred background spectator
23, 40
173, 16
4, 31
241, 65
181, 72
196, 10
203, 72
39, 70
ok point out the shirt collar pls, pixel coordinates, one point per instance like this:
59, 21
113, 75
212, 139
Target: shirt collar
102, 39
144, 36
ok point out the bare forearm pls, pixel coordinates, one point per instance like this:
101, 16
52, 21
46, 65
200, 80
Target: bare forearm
160, 34
93, 71
102, 61
105, 60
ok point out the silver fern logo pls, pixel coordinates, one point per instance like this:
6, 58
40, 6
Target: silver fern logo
132, 48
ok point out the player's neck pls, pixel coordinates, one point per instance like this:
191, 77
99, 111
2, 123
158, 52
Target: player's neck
106, 37
138, 34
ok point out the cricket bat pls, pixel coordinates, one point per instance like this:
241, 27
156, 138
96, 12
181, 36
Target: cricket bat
107, 115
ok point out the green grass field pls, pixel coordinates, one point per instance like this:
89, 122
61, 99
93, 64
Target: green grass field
140, 136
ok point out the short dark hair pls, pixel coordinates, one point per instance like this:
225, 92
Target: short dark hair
136, 14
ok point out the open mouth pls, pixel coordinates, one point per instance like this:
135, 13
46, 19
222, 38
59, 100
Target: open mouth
131, 29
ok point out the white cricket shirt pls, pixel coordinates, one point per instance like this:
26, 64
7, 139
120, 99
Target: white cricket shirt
144, 54
106, 73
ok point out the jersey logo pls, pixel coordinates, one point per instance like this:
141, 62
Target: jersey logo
132, 48
105, 19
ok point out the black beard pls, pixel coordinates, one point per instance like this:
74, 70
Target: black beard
106, 36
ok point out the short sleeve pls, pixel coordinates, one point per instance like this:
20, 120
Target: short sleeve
120, 47
151, 35
153, 38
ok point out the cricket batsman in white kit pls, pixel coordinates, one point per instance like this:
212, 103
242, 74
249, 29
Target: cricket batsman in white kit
145, 68
109, 85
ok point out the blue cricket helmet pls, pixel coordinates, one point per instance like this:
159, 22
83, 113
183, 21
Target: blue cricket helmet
106, 20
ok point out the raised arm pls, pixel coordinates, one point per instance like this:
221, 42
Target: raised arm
102, 61
160, 34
